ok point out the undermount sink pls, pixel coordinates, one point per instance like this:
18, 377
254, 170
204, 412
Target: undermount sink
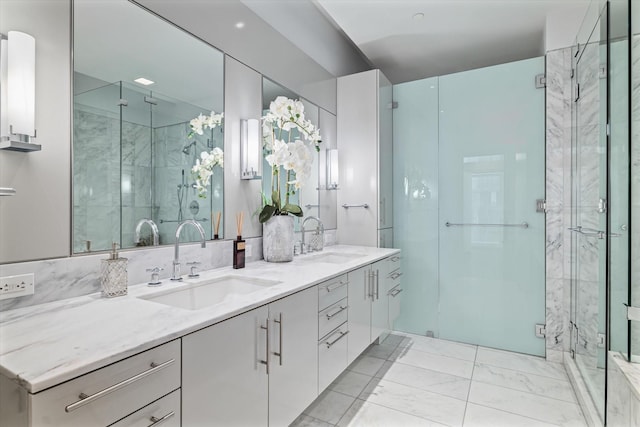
210, 292
332, 257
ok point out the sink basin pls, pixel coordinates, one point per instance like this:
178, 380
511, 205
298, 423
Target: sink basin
332, 257
210, 292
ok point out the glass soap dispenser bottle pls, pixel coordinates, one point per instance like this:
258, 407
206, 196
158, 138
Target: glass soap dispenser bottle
113, 274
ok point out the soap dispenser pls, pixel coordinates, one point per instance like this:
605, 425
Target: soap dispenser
113, 274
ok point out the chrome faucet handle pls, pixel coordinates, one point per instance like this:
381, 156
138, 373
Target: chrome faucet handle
194, 267
155, 276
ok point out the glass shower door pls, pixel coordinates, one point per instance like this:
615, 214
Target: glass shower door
589, 213
492, 283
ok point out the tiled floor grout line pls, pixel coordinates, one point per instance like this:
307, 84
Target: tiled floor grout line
516, 413
466, 404
526, 372
527, 392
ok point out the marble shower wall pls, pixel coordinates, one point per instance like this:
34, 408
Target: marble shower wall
558, 197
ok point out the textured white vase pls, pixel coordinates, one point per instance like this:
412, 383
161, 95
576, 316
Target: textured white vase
277, 239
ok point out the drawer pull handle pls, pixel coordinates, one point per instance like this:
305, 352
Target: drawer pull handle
155, 421
335, 286
395, 258
396, 292
394, 276
342, 335
86, 399
340, 310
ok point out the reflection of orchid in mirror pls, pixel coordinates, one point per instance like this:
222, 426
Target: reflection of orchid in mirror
203, 169
296, 157
202, 122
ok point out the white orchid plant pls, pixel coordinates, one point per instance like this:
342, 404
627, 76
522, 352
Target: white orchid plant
295, 157
203, 169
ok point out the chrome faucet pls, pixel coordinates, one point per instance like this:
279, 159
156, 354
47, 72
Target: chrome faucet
154, 231
176, 258
319, 231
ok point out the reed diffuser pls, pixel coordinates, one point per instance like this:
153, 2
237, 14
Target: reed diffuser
239, 244
216, 224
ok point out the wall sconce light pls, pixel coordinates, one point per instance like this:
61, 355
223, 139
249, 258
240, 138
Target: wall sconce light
17, 92
250, 149
332, 169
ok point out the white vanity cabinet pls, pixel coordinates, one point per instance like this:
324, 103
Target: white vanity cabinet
368, 307
333, 328
394, 287
365, 140
224, 373
258, 368
99, 398
293, 370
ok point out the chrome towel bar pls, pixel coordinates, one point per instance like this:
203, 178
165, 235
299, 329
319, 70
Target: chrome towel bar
364, 205
521, 225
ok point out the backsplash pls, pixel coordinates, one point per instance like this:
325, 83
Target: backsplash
62, 278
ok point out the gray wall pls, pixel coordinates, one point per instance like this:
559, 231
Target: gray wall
36, 223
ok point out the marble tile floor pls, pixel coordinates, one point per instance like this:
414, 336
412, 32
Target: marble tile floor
410, 380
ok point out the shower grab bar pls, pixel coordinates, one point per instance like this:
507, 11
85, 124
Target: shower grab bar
592, 232
521, 225
162, 221
364, 205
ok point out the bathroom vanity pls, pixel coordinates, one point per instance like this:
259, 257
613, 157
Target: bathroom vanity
254, 347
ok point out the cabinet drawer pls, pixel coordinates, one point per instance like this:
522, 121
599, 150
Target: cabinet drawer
163, 412
332, 317
332, 291
111, 393
395, 296
392, 264
393, 279
332, 356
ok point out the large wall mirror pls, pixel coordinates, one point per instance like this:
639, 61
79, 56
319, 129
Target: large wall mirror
313, 197
139, 81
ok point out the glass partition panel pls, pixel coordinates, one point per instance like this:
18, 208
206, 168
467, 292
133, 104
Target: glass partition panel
634, 255
491, 247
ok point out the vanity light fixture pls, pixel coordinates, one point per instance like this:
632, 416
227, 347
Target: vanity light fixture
332, 169
18, 92
144, 81
250, 149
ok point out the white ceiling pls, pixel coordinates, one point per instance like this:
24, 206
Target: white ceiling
453, 35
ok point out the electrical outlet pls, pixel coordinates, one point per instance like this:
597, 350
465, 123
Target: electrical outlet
17, 286
247, 251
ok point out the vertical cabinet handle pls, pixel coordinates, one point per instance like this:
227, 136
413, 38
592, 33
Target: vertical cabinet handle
266, 362
366, 284
157, 421
279, 322
377, 274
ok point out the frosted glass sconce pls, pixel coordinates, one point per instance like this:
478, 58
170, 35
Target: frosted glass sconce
18, 92
250, 149
332, 169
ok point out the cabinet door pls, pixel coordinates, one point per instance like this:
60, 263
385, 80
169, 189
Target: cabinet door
359, 311
293, 376
379, 300
224, 382
357, 104
394, 304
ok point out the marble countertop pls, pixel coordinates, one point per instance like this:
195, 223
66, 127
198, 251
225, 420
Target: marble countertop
44, 345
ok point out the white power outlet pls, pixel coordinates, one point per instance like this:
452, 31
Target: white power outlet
17, 286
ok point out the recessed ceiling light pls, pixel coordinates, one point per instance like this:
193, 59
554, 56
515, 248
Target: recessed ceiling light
240, 25
418, 16
144, 81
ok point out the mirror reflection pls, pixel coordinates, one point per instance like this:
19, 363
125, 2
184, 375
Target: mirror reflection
148, 100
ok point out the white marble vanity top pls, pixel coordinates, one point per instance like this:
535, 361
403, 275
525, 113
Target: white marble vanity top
44, 345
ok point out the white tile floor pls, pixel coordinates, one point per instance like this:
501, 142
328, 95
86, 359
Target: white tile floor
410, 380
